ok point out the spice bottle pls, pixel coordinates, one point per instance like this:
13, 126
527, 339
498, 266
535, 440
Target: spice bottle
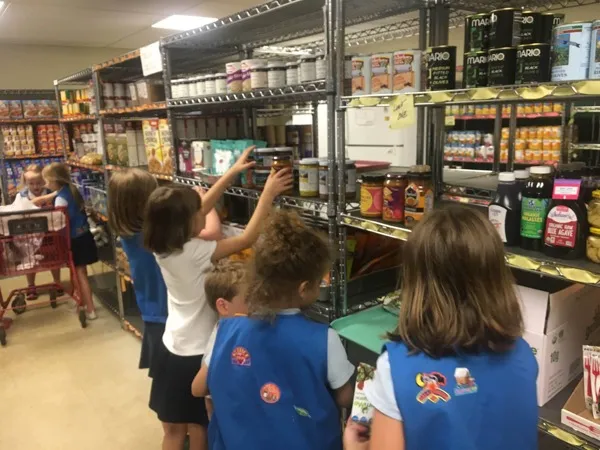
394, 189
505, 210
371, 195
534, 207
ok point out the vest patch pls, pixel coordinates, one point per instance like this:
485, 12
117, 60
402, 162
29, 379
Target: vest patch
270, 393
431, 387
240, 357
465, 382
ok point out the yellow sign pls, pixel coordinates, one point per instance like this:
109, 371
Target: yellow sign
450, 121
402, 112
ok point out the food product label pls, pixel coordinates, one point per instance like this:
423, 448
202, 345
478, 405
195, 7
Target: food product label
566, 189
393, 204
361, 75
371, 200
571, 52
497, 215
561, 227
309, 181
595, 51
406, 71
362, 409
381, 74
533, 215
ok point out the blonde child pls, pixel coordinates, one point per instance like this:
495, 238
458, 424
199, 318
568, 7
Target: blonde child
224, 287
275, 377
83, 247
33, 187
457, 374
174, 217
128, 193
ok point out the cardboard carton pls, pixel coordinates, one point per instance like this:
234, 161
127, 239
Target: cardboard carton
557, 323
575, 415
153, 145
149, 91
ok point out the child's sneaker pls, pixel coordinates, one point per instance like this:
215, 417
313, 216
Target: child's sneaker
31, 293
91, 315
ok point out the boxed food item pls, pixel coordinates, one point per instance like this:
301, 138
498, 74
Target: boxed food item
132, 147
16, 109
149, 91
47, 108
112, 154
30, 109
362, 409
152, 145
557, 323
4, 109
166, 145
381, 73
133, 94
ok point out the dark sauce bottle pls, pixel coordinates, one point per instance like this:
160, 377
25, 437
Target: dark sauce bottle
505, 210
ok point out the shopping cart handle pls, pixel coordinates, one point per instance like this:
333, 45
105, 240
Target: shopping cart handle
32, 211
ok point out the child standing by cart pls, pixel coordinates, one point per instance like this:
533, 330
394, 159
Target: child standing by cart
34, 187
83, 247
174, 217
276, 378
457, 374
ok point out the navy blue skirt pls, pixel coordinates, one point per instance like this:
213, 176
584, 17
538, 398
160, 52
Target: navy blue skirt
83, 248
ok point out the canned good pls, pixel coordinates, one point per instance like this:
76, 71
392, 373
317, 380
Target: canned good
291, 73
276, 74
381, 73
502, 66
258, 77
321, 67
571, 51
476, 69
406, 75
308, 69
221, 83
532, 28
547, 107
441, 68
246, 68
361, 75
477, 32
533, 63
594, 71
505, 28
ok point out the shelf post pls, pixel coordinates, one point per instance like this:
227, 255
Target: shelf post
565, 120
512, 133
421, 134
497, 138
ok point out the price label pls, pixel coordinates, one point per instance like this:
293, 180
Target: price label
450, 121
151, 59
402, 111
566, 189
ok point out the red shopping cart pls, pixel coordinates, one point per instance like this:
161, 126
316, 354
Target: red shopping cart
34, 241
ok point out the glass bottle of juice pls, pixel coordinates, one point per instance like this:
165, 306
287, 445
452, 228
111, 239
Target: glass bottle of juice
535, 202
505, 210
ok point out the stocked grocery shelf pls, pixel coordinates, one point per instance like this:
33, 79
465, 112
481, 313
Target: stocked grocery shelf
79, 118
300, 93
32, 120
159, 106
97, 168
504, 116
36, 156
490, 161
577, 271
551, 91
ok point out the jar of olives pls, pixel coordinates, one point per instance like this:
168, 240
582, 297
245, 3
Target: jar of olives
592, 249
594, 209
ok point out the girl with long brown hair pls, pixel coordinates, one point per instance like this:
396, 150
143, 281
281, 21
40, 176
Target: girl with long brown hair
457, 373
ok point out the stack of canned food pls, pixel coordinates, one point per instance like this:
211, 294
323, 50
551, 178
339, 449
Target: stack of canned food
487, 111
384, 73
469, 146
250, 74
533, 145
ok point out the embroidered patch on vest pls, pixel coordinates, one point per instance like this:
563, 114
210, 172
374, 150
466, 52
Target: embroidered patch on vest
302, 412
240, 357
465, 383
270, 393
431, 387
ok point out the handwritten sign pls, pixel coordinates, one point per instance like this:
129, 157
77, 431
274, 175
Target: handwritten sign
151, 59
402, 112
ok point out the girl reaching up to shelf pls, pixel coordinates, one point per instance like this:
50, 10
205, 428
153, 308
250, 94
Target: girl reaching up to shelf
83, 247
34, 187
174, 218
277, 378
128, 193
457, 373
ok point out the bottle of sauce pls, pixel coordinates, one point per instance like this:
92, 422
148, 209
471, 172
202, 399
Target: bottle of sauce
505, 210
282, 162
521, 177
371, 195
565, 230
418, 198
535, 202
394, 188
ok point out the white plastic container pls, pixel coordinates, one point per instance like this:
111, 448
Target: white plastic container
381, 73
361, 75
406, 75
175, 89
571, 51
594, 72
221, 83
119, 90
233, 77
276, 74
184, 88
321, 67
259, 78
291, 74
192, 87
247, 66
309, 177
308, 69
209, 84
200, 85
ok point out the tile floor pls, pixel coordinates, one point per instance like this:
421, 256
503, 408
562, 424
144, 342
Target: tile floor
63, 387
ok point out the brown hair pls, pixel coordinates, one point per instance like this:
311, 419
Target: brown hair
60, 173
458, 294
169, 218
35, 168
128, 193
287, 254
224, 281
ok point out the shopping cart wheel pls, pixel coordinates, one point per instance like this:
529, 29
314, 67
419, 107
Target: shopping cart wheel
53, 298
82, 318
19, 305
2, 337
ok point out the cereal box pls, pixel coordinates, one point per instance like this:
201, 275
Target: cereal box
150, 129
381, 73
16, 109
30, 109
362, 410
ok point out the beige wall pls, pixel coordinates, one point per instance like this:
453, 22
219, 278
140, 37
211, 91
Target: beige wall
34, 67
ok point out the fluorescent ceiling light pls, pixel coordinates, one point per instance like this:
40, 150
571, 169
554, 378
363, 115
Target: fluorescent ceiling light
183, 23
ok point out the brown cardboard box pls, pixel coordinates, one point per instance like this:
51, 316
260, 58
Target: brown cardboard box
575, 415
149, 91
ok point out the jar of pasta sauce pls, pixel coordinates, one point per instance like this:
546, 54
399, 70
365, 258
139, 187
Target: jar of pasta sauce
281, 162
371, 195
394, 188
418, 197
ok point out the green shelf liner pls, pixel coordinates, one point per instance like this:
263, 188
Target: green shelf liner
367, 328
